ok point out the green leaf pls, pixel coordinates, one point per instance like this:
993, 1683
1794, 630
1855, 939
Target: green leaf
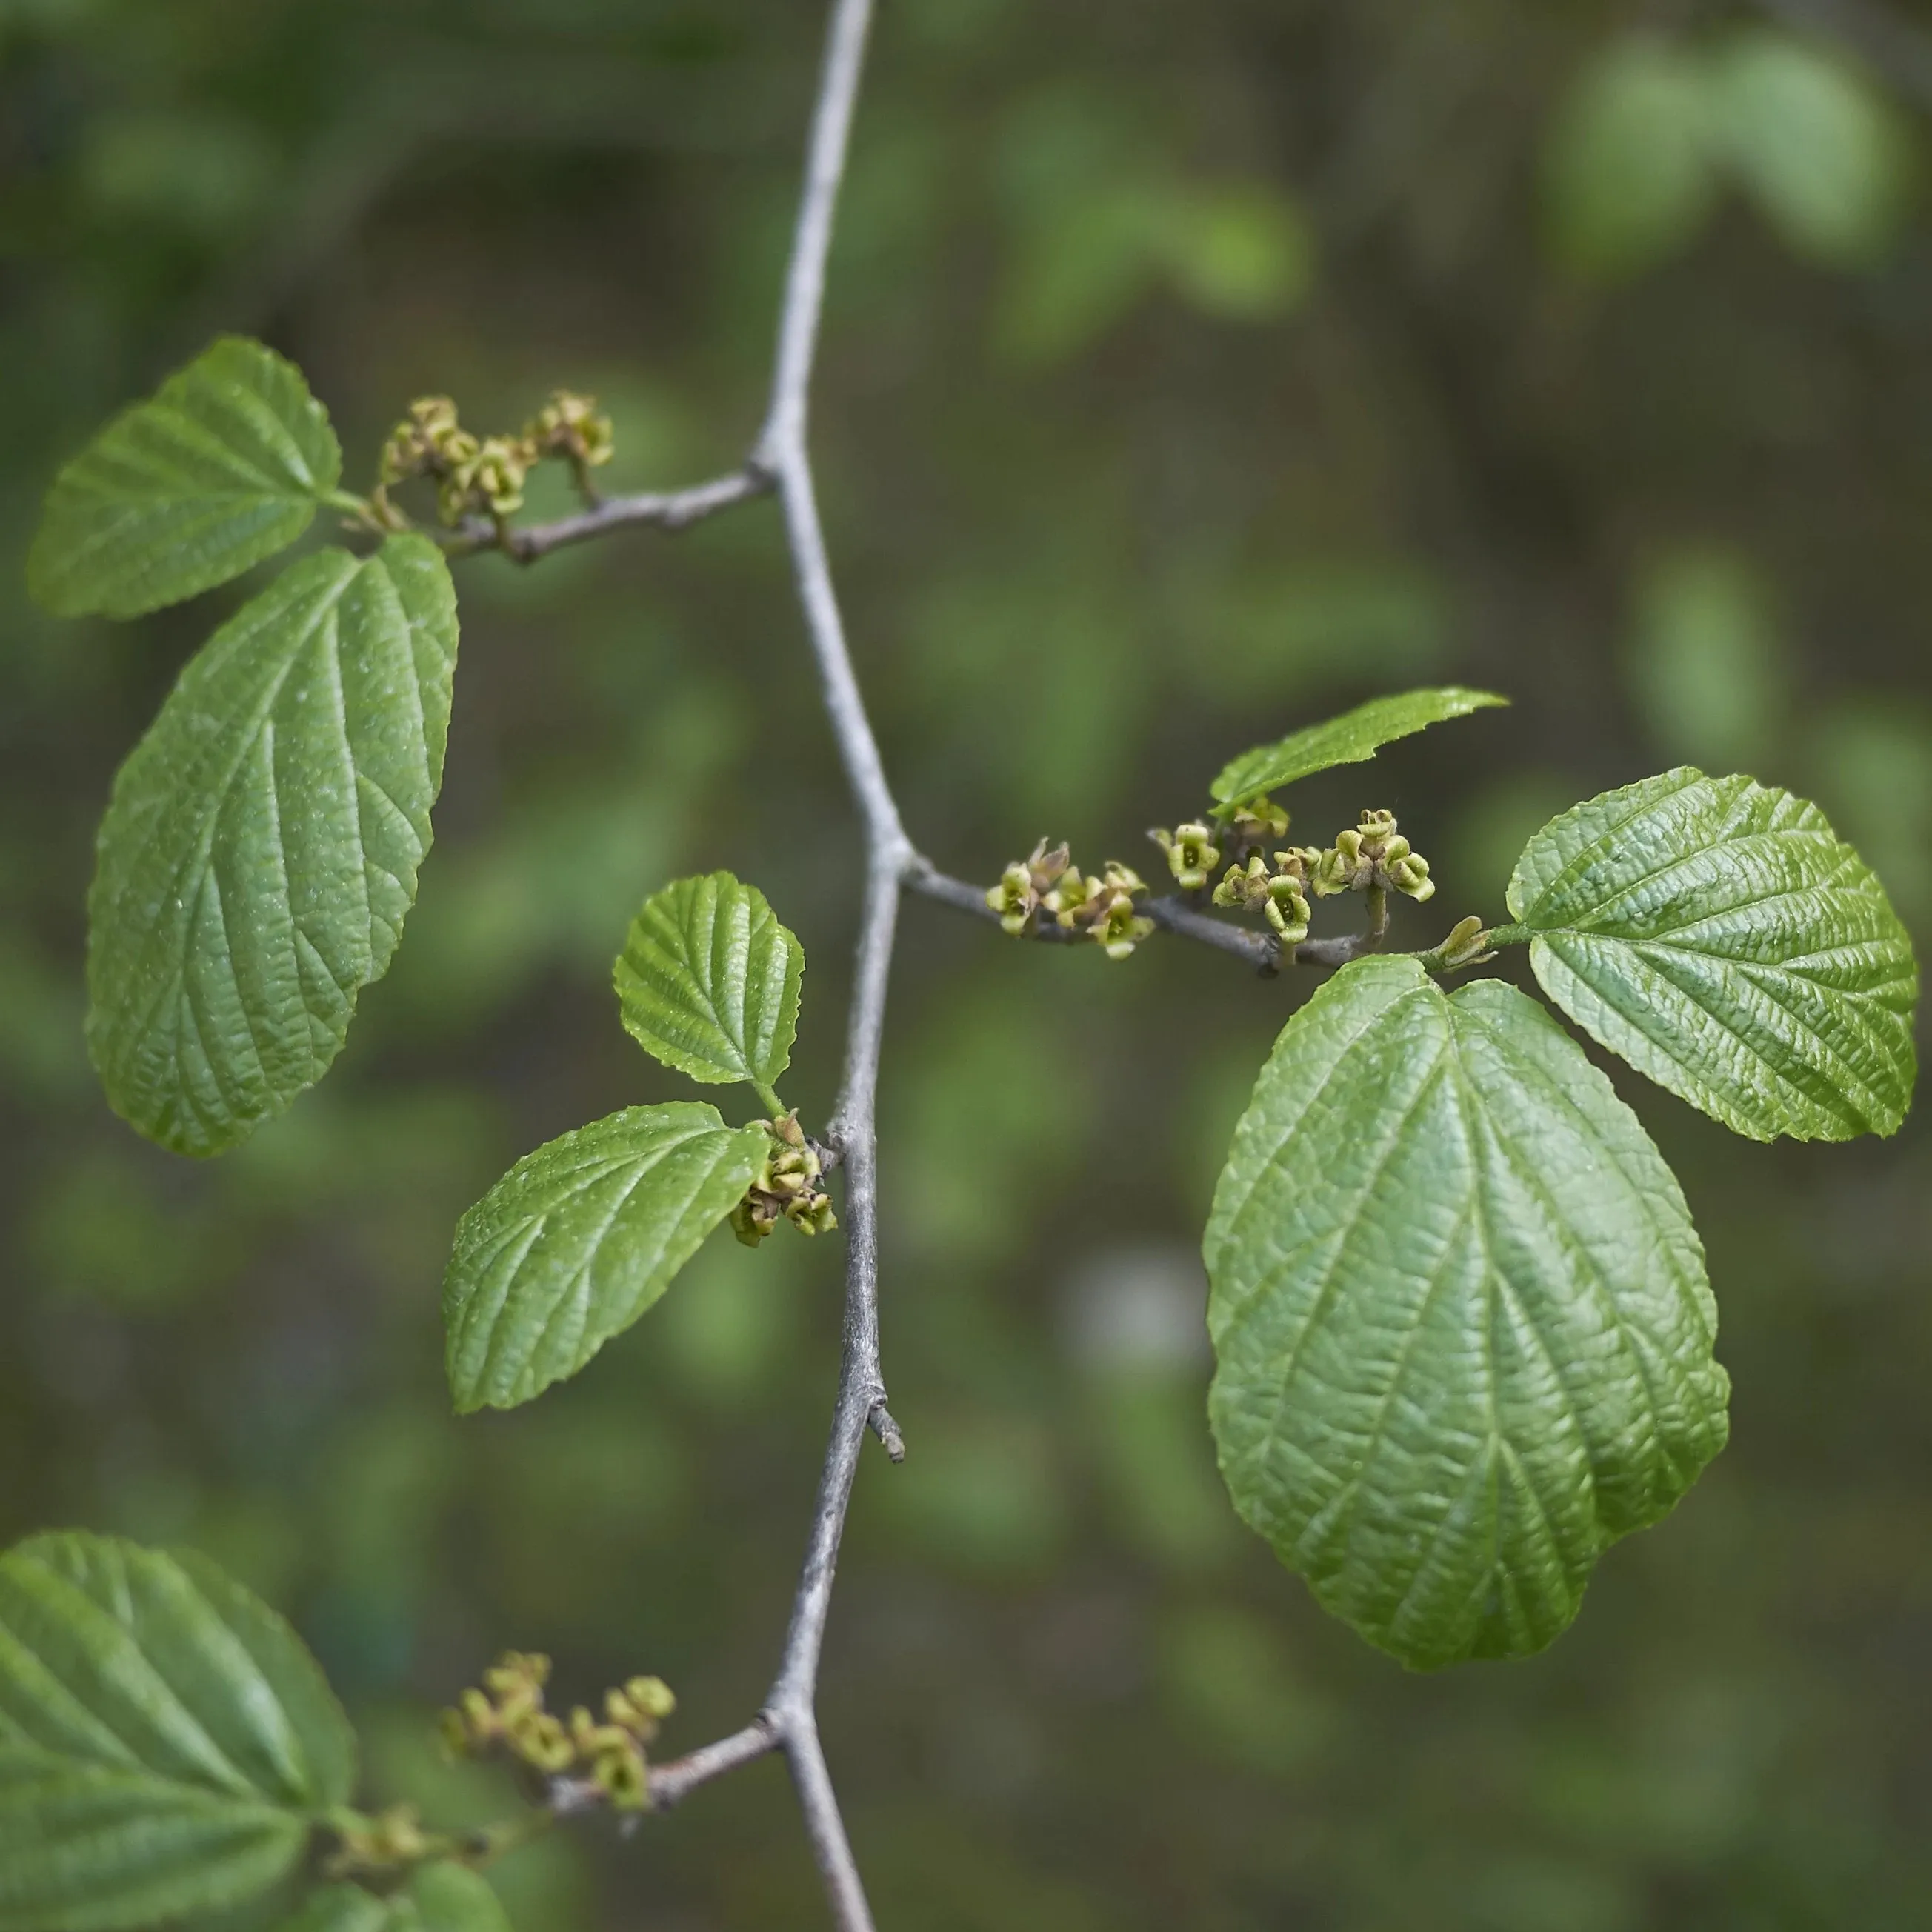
167, 1744
340, 1908
1821, 152
1346, 740
1629, 172
452, 1898
581, 1237
1718, 935
708, 982
222, 466
261, 848
440, 1897
1462, 1331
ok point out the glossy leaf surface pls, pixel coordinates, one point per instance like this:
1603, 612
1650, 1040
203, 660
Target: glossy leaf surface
579, 1238
260, 850
1462, 1331
224, 465
708, 981
1718, 935
166, 1741
1347, 740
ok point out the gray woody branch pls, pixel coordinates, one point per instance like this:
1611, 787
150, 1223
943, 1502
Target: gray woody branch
781, 464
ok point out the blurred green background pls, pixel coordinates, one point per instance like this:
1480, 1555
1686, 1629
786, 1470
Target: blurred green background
1192, 369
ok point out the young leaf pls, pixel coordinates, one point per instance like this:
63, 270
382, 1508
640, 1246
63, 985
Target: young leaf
1459, 1313
261, 848
579, 1238
708, 982
224, 465
1346, 740
339, 1908
1716, 933
452, 1898
439, 1898
167, 1744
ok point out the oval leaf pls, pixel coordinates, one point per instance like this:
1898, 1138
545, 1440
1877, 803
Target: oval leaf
340, 1908
1346, 740
708, 982
261, 848
167, 1744
1462, 1331
579, 1238
1716, 935
224, 467
452, 1898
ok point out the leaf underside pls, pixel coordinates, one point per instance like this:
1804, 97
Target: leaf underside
260, 850
1716, 935
1462, 1329
579, 1239
166, 1741
708, 982
1347, 740
224, 466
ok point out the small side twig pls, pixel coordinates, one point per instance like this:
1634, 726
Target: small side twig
664, 510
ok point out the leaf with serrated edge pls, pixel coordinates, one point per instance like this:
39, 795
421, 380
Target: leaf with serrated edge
167, 1744
261, 847
1347, 740
1462, 1331
708, 982
222, 466
1719, 936
581, 1237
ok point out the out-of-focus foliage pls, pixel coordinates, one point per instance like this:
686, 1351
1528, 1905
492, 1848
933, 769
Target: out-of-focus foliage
1093, 543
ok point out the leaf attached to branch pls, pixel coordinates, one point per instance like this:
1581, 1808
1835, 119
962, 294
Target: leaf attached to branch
225, 465
1719, 936
1462, 1329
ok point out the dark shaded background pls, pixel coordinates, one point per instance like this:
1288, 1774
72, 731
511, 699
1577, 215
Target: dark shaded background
1192, 369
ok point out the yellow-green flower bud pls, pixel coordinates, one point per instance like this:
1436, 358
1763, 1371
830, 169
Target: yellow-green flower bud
1288, 909
542, 1742
1014, 898
651, 1696
1191, 854
1467, 945
625, 1778
1411, 875
1257, 821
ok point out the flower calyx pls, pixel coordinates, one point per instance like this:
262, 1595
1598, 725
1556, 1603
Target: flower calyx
787, 1186
1192, 852
485, 476
1372, 853
1255, 821
1100, 906
392, 1841
507, 1714
1280, 891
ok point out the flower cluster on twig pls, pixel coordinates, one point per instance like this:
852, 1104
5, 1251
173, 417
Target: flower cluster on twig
787, 1185
507, 1714
1098, 906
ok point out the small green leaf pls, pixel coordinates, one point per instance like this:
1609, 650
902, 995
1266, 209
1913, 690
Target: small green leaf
708, 982
261, 848
1462, 1330
1819, 150
222, 466
167, 1744
581, 1237
1717, 935
339, 1908
1346, 740
1629, 170
452, 1898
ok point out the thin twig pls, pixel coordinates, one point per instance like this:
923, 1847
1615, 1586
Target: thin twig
665, 509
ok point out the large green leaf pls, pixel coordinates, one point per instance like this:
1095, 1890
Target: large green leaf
167, 1744
1717, 935
261, 848
1346, 740
224, 466
340, 1908
1460, 1318
579, 1238
708, 981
